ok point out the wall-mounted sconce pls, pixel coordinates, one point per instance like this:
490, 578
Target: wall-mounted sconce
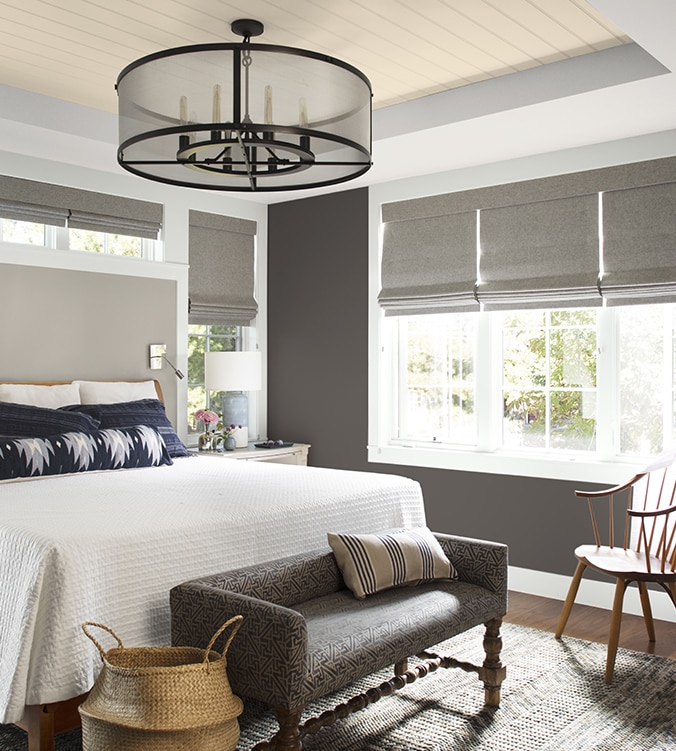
157, 358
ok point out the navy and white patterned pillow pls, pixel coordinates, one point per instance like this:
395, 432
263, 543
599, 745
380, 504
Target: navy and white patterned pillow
141, 412
27, 421
113, 448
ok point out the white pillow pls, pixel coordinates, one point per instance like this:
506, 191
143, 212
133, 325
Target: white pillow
52, 397
113, 392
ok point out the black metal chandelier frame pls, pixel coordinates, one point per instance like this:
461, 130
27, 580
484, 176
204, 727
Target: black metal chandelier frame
242, 148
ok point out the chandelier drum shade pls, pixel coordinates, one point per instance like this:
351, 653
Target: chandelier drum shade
244, 117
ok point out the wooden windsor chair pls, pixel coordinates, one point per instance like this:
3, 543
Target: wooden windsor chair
646, 554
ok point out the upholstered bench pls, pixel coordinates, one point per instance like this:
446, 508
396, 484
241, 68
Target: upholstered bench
305, 634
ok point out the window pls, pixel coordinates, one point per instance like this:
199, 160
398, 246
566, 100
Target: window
201, 339
61, 238
592, 385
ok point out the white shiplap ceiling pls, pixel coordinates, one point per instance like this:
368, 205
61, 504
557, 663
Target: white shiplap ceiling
457, 83
74, 49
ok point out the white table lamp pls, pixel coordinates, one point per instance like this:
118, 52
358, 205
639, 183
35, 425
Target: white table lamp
234, 373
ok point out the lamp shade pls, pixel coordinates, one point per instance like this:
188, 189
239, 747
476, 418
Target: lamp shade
232, 371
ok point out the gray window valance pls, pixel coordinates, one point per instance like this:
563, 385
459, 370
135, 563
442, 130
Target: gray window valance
538, 245
61, 206
221, 276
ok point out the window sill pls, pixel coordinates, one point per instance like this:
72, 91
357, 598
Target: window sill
576, 469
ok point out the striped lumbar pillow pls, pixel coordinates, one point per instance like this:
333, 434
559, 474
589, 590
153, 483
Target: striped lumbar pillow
373, 562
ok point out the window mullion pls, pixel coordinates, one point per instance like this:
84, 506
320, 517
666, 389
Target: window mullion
488, 381
607, 385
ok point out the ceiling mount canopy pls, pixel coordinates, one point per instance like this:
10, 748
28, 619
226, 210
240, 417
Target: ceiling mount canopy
244, 117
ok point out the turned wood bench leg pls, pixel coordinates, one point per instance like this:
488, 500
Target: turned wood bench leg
492, 672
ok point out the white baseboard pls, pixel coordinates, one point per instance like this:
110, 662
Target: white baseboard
595, 593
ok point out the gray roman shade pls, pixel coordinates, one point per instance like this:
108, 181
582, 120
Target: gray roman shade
540, 255
29, 200
539, 243
639, 245
428, 263
221, 277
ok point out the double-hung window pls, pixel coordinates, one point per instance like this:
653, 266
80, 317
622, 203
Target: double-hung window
534, 334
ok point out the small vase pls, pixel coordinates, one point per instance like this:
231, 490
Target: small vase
207, 442
229, 443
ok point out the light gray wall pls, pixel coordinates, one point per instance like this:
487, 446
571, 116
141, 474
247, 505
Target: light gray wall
318, 380
60, 324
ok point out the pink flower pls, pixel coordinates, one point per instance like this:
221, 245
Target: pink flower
206, 416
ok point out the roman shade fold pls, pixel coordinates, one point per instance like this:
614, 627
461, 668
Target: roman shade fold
58, 205
221, 276
429, 264
639, 245
540, 255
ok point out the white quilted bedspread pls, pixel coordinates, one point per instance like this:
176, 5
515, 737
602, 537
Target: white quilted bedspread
107, 547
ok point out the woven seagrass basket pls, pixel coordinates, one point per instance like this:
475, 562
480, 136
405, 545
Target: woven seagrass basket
161, 698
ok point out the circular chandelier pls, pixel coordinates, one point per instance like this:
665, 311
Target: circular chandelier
244, 117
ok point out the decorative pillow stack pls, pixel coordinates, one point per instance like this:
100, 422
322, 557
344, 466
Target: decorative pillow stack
142, 412
371, 563
83, 426
122, 448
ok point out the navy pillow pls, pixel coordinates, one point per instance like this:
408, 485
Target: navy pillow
114, 448
141, 412
26, 421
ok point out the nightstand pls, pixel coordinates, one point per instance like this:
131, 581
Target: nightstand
295, 454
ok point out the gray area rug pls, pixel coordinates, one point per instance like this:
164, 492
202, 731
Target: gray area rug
554, 699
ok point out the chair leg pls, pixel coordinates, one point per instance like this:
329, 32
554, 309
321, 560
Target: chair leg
647, 611
570, 598
614, 633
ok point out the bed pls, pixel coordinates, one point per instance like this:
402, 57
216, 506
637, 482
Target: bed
107, 545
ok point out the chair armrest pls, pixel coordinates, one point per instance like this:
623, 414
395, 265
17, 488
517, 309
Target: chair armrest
266, 659
478, 562
652, 512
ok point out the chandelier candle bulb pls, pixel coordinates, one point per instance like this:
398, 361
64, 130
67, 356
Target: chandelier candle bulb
268, 105
302, 112
216, 108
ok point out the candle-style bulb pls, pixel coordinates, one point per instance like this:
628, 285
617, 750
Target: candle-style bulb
268, 106
302, 113
216, 111
183, 109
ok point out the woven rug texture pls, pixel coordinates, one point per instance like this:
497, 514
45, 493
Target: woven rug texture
553, 699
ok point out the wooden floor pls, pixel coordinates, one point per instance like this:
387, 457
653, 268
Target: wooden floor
591, 624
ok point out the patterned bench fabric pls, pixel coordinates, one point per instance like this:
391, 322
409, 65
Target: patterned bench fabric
305, 635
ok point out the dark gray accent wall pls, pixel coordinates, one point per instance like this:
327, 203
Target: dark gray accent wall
318, 378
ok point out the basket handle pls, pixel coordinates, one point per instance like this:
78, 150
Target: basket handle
105, 628
237, 619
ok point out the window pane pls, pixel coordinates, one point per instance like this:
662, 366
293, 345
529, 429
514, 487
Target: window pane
642, 376
83, 239
549, 380
438, 352
203, 339
14, 231
573, 420
124, 245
